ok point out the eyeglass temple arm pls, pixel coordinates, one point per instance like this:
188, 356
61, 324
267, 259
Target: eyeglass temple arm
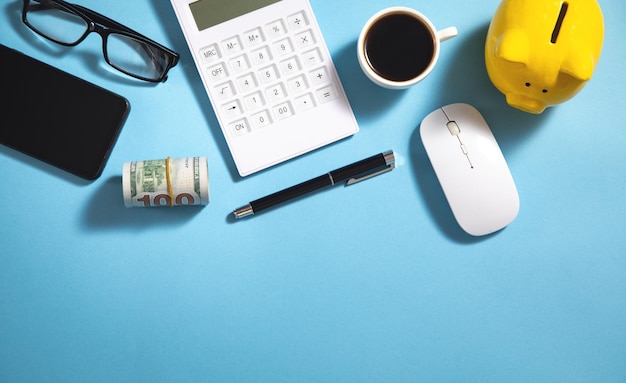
92, 14
107, 21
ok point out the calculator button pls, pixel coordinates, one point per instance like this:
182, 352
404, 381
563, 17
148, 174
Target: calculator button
225, 90
209, 54
261, 56
319, 76
283, 47
253, 37
298, 84
239, 128
239, 64
268, 74
217, 72
276, 92
261, 119
283, 110
232, 45
312, 57
232, 109
254, 101
297, 21
305, 102
305, 39
327, 94
246, 83
290, 66
276, 28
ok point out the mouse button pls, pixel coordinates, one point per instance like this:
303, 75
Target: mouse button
456, 112
435, 118
466, 116
432, 127
459, 110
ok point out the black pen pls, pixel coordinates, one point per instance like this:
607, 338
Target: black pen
353, 173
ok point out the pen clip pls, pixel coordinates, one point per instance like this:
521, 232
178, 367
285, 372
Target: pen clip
355, 180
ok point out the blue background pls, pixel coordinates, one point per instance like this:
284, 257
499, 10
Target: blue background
371, 283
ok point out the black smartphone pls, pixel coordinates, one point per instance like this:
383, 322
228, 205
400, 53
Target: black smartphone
57, 117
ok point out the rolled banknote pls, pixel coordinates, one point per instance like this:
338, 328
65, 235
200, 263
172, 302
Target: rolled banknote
166, 182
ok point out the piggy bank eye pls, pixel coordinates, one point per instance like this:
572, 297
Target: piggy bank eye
527, 84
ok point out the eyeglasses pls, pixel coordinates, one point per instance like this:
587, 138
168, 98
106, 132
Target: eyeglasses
124, 49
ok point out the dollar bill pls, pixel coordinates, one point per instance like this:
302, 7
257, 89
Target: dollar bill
166, 182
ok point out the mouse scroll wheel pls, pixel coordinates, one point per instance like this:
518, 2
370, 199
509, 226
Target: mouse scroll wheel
453, 128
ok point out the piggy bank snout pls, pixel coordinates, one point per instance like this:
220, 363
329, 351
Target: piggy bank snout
526, 104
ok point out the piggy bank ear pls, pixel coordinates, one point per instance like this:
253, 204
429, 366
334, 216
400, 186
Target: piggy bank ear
513, 46
579, 65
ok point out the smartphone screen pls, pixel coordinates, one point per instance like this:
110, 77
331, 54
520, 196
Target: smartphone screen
57, 117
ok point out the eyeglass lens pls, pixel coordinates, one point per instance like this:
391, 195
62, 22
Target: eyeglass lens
56, 23
134, 56
122, 51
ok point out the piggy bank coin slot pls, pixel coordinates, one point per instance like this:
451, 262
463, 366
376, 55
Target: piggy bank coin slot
559, 23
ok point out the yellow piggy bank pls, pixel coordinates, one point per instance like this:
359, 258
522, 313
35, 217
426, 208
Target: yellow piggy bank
540, 53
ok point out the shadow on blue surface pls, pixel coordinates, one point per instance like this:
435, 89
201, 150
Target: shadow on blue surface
467, 81
167, 17
367, 99
43, 166
166, 14
106, 211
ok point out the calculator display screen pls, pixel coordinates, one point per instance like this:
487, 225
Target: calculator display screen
208, 13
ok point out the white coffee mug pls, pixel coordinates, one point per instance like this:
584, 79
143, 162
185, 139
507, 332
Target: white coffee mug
398, 47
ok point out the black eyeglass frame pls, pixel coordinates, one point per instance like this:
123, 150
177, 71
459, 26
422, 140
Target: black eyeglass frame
105, 26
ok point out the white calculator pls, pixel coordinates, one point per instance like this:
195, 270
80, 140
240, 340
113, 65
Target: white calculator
269, 76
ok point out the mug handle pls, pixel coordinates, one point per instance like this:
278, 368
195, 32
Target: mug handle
447, 33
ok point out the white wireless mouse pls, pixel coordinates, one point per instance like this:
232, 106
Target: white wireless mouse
470, 166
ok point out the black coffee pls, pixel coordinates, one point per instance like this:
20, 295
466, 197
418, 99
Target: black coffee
399, 47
